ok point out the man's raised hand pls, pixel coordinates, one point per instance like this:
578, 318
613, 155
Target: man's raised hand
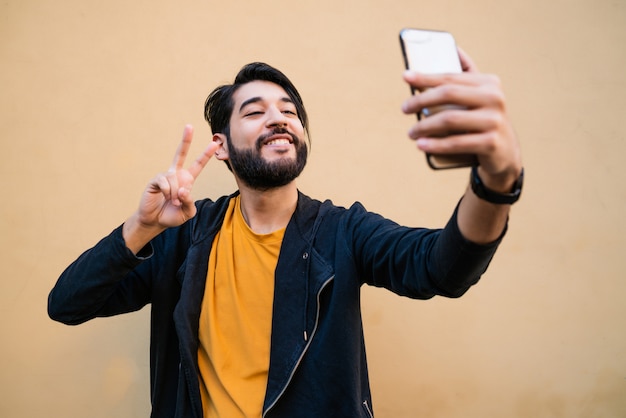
166, 201
478, 124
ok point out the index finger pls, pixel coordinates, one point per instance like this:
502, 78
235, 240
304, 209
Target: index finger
183, 148
196, 168
422, 81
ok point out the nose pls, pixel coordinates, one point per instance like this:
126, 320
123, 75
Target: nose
276, 118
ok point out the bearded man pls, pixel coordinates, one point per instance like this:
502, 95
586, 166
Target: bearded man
255, 296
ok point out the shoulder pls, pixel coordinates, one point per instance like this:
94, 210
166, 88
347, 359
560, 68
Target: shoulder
330, 212
325, 218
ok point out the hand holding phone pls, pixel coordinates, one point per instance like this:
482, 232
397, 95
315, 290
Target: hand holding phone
434, 52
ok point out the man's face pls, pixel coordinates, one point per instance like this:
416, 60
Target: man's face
266, 147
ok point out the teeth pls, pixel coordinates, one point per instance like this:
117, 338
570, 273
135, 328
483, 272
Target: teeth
278, 142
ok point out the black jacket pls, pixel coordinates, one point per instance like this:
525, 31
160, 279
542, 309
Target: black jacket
317, 361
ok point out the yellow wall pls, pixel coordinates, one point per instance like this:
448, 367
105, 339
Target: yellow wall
94, 96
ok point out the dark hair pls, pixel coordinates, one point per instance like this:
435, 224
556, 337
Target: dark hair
218, 107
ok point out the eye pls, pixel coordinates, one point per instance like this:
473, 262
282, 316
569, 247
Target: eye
290, 112
254, 113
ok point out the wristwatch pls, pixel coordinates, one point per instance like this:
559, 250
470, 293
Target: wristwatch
479, 188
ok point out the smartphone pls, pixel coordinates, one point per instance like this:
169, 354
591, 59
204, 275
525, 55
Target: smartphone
434, 52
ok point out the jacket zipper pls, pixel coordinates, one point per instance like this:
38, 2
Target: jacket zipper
306, 348
366, 406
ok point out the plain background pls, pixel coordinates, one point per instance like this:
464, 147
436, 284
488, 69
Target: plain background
94, 97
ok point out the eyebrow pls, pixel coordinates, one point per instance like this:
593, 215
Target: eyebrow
260, 99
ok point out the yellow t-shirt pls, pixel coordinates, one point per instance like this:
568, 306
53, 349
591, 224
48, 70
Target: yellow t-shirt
236, 318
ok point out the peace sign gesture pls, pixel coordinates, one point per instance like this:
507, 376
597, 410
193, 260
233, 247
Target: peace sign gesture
166, 201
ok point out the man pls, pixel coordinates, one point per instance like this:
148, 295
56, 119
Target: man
255, 296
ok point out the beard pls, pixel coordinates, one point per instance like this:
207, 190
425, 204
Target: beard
257, 173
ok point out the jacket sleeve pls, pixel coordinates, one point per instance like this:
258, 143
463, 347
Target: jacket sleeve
105, 280
416, 262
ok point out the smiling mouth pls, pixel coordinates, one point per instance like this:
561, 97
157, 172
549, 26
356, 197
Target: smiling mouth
278, 139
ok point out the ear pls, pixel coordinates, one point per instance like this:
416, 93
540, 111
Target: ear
222, 151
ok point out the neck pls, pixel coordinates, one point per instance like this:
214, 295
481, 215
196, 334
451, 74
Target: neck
270, 210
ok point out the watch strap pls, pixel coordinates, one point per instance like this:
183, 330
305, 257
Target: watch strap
479, 188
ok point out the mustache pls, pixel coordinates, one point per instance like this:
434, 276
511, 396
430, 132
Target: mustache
277, 131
